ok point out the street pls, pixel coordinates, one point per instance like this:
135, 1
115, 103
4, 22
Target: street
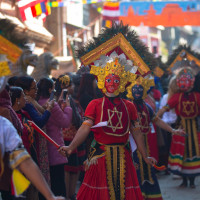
171, 191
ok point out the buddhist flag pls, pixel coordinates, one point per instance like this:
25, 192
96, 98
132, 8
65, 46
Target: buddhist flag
33, 8
110, 13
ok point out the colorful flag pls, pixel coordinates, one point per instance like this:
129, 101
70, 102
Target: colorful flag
111, 12
33, 8
19, 183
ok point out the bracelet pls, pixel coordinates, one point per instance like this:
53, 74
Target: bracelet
87, 123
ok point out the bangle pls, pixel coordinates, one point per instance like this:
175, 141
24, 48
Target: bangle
87, 123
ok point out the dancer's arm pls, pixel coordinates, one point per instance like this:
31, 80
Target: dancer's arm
139, 139
79, 138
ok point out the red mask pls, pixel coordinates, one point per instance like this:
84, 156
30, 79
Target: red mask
185, 82
112, 82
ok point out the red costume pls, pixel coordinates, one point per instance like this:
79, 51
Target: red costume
184, 155
110, 151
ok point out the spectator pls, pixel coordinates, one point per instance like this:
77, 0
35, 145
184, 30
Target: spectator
75, 160
59, 119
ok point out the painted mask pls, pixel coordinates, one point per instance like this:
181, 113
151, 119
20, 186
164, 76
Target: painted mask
137, 92
112, 83
185, 82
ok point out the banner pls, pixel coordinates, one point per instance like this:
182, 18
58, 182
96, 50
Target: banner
169, 13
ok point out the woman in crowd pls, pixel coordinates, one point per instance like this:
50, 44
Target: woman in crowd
7, 111
40, 115
59, 119
18, 103
37, 113
76, 159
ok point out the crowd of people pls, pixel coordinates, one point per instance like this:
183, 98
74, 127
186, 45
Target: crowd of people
107, 132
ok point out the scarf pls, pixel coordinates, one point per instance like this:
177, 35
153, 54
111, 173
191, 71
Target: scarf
5, 101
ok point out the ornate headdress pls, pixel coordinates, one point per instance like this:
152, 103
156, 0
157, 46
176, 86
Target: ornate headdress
182, 57
116, 50
187, 71
65, 80
147, 82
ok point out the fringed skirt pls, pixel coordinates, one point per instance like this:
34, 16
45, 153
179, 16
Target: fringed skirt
110, 175
184, 158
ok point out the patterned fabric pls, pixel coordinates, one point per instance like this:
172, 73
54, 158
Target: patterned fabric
43, 158
184, 158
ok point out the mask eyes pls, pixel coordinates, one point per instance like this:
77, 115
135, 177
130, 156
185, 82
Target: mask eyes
140, 89
108, 80
116, 81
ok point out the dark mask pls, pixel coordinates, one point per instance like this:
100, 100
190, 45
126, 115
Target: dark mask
137, 92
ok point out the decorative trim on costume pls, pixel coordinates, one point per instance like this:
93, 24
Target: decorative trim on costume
109, 120
115, 165
17, 157
87, 123
192, 110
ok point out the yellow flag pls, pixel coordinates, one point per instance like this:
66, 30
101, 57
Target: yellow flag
20, 183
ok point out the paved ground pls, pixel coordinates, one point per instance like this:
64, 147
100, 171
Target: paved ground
171, 191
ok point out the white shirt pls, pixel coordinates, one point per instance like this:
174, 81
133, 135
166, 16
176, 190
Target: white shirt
168, 117
9, 138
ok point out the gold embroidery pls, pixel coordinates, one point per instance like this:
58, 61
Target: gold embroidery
112, 183
122, 172
189, 137
191, 107
128, 125
195, 136
109, 172
146, 124
111, 114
